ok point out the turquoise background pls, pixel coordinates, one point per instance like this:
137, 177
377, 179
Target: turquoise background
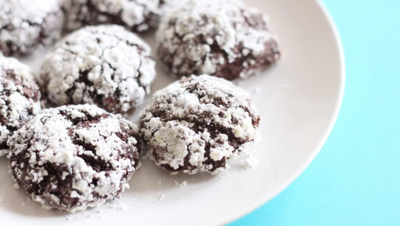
355, 179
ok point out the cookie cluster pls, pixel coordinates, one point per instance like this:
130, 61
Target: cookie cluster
68, 146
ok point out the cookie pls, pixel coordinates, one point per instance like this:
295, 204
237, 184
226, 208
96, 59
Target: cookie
104, 65
26, 25
197, 124
220, 38
135, 15
74, 157
19, 98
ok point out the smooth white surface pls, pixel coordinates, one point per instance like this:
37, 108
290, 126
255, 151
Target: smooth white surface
298, 99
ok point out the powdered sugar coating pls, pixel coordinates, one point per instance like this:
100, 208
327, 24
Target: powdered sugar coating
220, 38
197, 124
74, 157
27, 24
135, 15
19, 98
104, 65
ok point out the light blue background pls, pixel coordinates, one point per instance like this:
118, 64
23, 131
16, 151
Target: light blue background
355, 179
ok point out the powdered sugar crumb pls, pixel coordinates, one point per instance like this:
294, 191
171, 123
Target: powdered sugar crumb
118, 206
160, 197
184, 183
256, 90
248, 163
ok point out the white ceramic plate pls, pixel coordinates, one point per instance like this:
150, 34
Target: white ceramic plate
299, 100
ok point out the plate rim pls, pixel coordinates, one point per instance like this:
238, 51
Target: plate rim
266, 197
327, 132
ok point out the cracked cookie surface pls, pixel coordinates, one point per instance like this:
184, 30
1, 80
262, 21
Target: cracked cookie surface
220, 38
197, 124
104, 65
135, 15
74, 157
27, 24
19, 98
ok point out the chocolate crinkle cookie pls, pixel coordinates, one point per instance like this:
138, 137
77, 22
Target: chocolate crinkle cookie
19, 98
220, 38
28, 24
197, 124
104, 65
135, 15
74, 157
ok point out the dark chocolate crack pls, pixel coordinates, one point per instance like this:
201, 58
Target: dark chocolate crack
114, 87
177, 51
40, 26
75, 165
217, 121
19, 98
88, 13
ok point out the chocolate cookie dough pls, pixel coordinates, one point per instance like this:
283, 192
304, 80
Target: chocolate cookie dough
197, 124
74, 157
104, 65
19, 98
28, 24
135, 15
220, 38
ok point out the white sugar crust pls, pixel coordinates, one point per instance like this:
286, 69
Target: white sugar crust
202, 36
54, 140
16, 105
99, 63
180, 124
26, 24
140, 15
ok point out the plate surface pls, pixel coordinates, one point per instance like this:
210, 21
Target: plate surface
299, 100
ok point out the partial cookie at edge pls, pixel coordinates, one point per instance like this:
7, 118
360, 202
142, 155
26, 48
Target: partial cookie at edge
134, 15
19, 98
26, 25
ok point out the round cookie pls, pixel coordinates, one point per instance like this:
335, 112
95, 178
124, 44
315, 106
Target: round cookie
197, 124
135, 15
104, 65
27, 24
19, 98
74, 157
220, 38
